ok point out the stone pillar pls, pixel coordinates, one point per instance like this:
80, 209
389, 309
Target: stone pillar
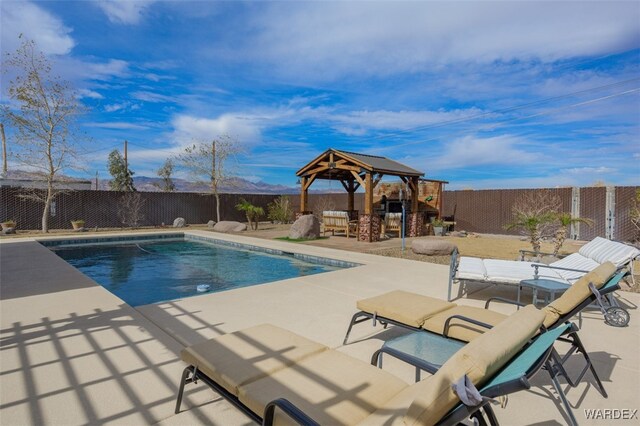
369, 228
415, 225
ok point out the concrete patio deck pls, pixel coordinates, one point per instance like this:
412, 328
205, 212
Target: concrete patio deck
73, 353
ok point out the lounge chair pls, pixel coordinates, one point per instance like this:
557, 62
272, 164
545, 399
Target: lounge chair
275, 376
566, 270
418, 312
339, 221
393, 223
466, 323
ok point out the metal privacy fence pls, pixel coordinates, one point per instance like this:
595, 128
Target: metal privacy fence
483, 211
489, 211
104, 209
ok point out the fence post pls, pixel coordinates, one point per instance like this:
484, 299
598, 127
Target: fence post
575, 212
610, 212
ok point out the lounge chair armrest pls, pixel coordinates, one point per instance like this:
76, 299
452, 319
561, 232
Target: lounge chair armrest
289, 409
447, 323
542, 265
536, 266
523, 252
504, 300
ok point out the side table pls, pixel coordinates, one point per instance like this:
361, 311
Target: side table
551, 287
425, 351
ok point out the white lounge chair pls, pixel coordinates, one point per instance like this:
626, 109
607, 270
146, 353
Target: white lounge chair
566, 270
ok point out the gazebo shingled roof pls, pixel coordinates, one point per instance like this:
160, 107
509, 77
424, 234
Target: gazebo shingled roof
366, 162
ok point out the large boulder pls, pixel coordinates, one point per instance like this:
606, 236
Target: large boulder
432, 247
179, 223
229, 226
306, 227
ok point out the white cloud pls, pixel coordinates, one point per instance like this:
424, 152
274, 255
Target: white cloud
106, 70
47, 30
538, 179
124, 11
590, 170
244, 128
472, 151
117, 125
126, 105
86, 93
324, 40
359, 122
152, 97
76, 69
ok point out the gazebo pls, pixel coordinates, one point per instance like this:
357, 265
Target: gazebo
354, 170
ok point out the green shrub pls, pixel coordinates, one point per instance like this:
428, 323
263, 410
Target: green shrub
280, 210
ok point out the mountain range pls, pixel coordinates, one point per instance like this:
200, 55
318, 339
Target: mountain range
154, 184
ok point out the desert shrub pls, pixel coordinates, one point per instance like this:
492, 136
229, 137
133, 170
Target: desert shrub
323, 203
279, 210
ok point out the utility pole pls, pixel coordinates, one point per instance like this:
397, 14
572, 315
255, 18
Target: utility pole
126, 163
4, 150
96, 180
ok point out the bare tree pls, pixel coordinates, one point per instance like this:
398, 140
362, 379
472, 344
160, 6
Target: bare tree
44, 133
322, 203
165, 172
4, 150
130, 209
208, 162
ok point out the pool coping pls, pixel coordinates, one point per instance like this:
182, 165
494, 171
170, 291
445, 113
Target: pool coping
232, 238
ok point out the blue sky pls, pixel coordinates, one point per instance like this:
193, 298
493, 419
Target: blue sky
509, 94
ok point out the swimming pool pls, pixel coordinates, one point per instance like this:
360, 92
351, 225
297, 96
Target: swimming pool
156, 270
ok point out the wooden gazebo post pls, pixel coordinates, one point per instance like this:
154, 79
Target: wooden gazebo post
351, 190
304, 196
368, 193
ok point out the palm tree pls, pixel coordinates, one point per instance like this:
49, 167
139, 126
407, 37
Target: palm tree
564, 221
532, 225
252, 212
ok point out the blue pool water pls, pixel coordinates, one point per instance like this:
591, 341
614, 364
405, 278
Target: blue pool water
150, 272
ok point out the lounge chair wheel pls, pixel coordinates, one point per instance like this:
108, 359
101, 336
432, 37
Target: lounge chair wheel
616, 317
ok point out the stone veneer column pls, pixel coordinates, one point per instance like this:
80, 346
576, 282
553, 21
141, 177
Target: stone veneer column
369, 228
416, 225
